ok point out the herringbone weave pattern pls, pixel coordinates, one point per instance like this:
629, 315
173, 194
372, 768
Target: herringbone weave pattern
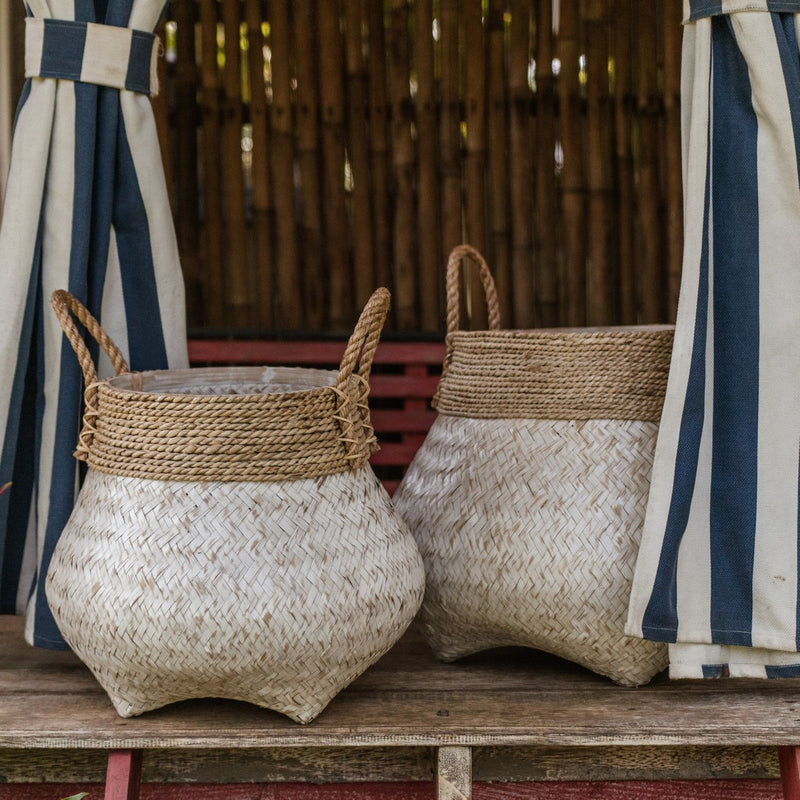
529, 532
230, 539
277, 593
527, 497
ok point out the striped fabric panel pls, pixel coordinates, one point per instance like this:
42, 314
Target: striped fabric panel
718, 564
696, 9
103, 229
105, 55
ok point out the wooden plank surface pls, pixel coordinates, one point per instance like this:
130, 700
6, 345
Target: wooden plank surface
516, 697
617, 790
388, 764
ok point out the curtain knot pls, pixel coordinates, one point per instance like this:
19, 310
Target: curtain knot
90, 53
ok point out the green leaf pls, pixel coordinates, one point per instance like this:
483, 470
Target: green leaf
79, 796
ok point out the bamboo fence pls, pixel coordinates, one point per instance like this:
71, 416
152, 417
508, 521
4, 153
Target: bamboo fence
318, 148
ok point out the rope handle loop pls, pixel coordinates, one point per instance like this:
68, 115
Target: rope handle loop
453, 287
63, 303
364, 340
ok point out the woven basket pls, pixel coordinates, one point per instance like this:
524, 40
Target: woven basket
528, 496
230, 539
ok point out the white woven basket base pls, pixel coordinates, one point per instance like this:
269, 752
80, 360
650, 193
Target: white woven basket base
279, 594
529, 532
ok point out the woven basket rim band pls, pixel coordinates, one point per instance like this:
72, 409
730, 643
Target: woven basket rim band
324, 430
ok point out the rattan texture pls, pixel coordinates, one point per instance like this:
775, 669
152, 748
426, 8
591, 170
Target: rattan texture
229, 539
529, 522
275, 593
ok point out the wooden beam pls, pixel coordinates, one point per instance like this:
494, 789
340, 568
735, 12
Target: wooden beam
124, 775
789, 758
454, 773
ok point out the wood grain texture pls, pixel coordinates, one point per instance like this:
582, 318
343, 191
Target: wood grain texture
453, 773
789, 758
387, 764
629, 790
124, 775
514, 697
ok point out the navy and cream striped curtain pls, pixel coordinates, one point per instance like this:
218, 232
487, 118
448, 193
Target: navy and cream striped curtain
718, 574
86, 209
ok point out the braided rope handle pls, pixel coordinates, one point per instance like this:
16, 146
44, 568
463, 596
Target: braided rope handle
453, 287
63, 303
357, 433
363, 343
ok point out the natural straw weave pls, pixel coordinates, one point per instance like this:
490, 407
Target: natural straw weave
278, 590
527, 498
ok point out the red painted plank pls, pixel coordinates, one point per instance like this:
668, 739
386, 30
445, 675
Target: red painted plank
575, 790
789, 758
394, 454
124, 775
253, 351
403, 386
402, 421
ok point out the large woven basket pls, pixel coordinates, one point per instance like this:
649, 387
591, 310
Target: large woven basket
528, 496
230, 539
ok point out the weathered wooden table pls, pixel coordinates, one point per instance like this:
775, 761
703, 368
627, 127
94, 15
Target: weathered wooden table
518, 702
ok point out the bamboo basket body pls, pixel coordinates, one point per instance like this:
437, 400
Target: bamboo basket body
277, 583
527, 498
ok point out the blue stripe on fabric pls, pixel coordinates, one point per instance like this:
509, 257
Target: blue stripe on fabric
24, 95
783, 671
734, 459
102, 191
138, 77
660, 620
18, 459
715, 670
118, 11
145, 334
786, 38
69, 397
710, 8
62, 49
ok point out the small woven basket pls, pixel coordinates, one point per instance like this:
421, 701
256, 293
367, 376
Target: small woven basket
230, 539
528, 496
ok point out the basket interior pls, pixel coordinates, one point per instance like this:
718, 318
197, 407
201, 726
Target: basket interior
226, 380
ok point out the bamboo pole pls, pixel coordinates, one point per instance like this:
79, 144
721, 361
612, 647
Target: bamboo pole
262, 273
428, 221
601, 285
624, 102
185, 210
215, 288
522, 165
379, 146
545, 217
358, 151
497, 157
449, 127
573, 207
673, 170
334, 211
649, 261
475, 157
289, 311
240, 299
403, 168
308, 161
